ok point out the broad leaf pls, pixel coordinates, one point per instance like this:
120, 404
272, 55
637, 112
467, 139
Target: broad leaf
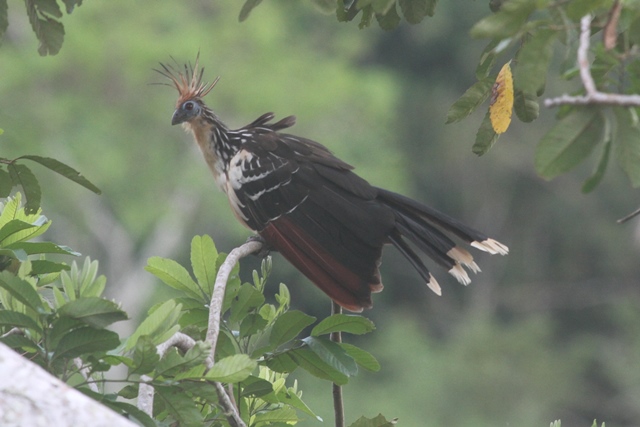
506, 22
203, 262
390, 19
289, 397
533, 61
316, 366
627, 143
176, 276
288, 326
251, 324
232, 369
282, 416
332, 354
40, 267
352, 324
32, 248
160, 323
248, 298
64, 170
363, 358
501, 107
174, 361
569, 142
247, 7
526, 106
12, 228
5, 180
180, 405
19, 342
415, 11
379, 421
85, 340
14, 319
93, 311
22, 291
470, 100
22, 176
594, 180
485, 137
145, 357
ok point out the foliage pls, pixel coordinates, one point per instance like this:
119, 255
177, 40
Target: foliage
44, 17
55, 315
528, 33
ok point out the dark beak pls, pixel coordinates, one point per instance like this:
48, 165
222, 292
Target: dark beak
179, 116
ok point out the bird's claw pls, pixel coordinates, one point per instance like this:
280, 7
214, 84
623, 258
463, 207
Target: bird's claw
264, 250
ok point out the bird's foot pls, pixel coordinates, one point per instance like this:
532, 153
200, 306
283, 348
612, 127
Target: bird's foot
265, 250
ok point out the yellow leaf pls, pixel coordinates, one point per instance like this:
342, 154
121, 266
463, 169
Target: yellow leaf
501, 106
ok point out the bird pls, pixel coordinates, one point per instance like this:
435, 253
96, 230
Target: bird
311, 207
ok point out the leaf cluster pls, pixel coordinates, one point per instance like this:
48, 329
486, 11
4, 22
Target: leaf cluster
44, 17
528, 33
13, 173
388, 13
258, 347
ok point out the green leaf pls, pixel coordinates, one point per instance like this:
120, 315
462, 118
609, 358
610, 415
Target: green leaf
470, 100
93, 311
533, 61
174, 361
145, 357
289, 397
248, 298
22, 176
390, 19
379, 421
32, 248
232, 369
569, 142
363, 358
256, 387
14, 319
352, 324
203, 262
247, 7
485, 137
415, 11
316, 366
85, 340
576, 9
161, 322
180, 405
5, 180
284, 362
282, 416
332, 354
12, 228
49, 32
367, 16
4, 22
176, 276
594, 180
39, 267
526, 106
487, 60
627, 143
22, 291
64, 170
71, 4
505, 23
288, 326
252, 324
18, 341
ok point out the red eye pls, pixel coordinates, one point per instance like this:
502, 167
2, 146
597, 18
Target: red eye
188, 106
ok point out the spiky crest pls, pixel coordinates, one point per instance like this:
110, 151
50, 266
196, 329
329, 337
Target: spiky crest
189, 81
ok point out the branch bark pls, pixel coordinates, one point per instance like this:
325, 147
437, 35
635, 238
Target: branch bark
31, 396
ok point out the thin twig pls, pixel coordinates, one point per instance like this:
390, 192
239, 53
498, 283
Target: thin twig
592, 96
338, 403
145, 390
84, 371
628, 217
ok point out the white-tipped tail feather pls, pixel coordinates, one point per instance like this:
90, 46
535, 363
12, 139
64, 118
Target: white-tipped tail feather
460, 274
464, 257
492, 246
434, 286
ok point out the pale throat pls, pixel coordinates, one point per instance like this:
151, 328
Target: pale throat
203, 134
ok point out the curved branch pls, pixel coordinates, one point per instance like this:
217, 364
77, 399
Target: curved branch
592, 95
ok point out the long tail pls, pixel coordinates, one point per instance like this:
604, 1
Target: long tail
425, 227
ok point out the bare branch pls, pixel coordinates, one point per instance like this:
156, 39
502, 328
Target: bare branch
84, 371
592, 96
215, 307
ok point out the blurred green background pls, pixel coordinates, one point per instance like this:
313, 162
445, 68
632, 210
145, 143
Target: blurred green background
550, 331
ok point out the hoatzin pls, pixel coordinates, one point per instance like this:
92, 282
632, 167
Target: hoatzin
312, 208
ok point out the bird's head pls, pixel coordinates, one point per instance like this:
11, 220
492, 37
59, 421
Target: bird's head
191, 90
